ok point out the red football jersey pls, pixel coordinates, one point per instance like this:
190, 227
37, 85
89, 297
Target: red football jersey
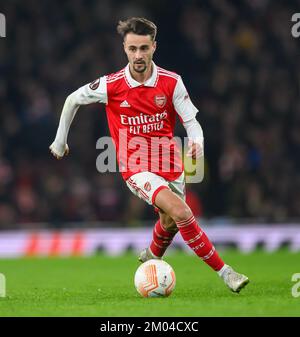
142, 117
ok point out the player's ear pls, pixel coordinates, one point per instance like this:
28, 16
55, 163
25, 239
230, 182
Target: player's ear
154, 46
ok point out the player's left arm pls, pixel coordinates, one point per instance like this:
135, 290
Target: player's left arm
187, 113
196, 139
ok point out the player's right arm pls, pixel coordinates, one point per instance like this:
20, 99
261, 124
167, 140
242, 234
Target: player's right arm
95, 92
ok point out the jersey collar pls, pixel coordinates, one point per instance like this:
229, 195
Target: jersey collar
151, 82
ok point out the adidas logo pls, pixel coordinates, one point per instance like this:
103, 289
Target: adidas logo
125, 104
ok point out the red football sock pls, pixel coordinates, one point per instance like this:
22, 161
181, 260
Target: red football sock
196, 239
161, 239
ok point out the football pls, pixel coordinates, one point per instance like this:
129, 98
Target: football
155, 278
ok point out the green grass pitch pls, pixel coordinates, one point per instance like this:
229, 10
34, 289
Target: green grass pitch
103, 286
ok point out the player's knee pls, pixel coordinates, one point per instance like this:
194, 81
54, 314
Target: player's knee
180, 212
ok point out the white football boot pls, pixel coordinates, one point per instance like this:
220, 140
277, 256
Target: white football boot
234, 281
146, 255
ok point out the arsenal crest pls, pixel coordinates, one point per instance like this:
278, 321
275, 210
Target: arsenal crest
147, 186
160, 100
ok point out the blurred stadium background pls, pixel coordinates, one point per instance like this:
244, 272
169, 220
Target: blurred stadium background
240, 64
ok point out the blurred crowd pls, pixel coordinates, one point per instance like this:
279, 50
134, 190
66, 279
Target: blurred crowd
239, 63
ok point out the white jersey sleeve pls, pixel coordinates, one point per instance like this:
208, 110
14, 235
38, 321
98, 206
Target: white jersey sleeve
94, 92
182, 102
194, 130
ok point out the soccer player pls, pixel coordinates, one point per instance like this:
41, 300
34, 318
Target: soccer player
142, 102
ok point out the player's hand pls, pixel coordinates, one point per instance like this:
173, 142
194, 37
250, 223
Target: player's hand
195, 149
59, 151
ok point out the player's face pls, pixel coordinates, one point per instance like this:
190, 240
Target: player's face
139, 50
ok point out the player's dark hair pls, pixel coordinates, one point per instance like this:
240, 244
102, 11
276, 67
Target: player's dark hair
139, 26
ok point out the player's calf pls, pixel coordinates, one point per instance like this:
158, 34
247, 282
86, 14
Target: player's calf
162, 237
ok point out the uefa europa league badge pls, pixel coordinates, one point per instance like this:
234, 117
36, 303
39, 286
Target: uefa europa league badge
95, 84
160, 100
